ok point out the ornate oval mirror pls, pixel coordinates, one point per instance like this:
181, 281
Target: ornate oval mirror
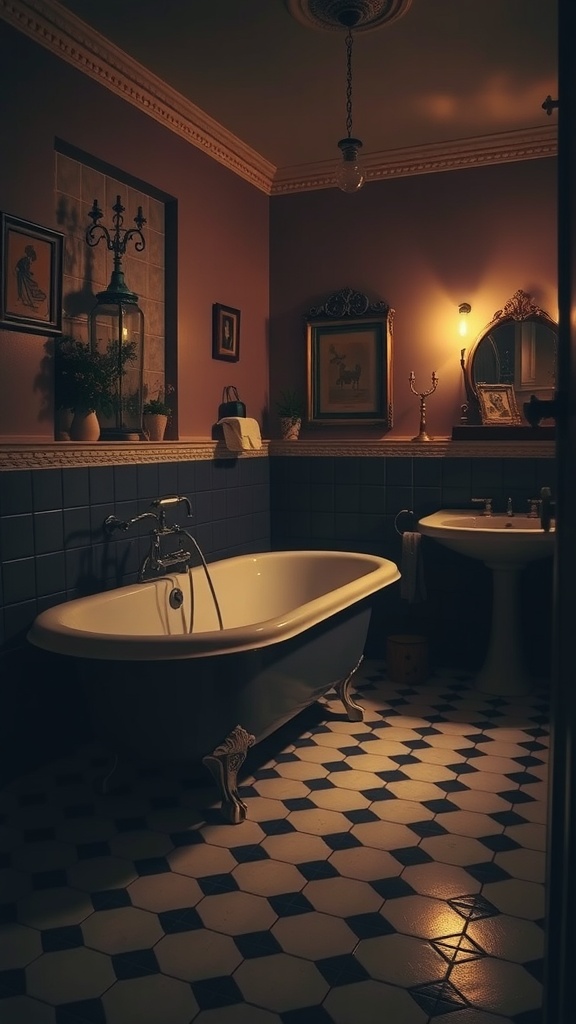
516, 350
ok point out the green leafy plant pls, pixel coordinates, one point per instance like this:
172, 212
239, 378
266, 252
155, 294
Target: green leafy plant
87, 379
159, 406
290, 405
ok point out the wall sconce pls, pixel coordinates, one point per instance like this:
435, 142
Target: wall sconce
464, 309
116, 328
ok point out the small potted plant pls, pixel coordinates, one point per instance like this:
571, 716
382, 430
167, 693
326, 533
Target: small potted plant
85, 382
290, 406
157, 412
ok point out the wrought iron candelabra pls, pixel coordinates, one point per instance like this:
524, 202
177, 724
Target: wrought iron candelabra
423, 395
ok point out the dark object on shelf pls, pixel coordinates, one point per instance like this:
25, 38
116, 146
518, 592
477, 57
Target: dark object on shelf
521, 432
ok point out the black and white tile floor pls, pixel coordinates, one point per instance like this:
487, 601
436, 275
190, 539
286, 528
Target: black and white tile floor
389, 870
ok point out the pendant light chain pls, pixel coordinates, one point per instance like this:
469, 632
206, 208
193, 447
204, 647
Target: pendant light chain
349, 83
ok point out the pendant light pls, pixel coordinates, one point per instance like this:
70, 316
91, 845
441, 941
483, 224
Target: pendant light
350, 175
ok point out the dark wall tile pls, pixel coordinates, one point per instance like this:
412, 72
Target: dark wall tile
47, 489
16, 537
19, 580
125, 483
15, 492
50, 574
75, 487
48, 532
101, 484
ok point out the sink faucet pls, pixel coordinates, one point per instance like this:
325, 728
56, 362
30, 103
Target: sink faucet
509, 509
487, 502
154, 561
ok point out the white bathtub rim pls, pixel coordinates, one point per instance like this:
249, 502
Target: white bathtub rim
51, 632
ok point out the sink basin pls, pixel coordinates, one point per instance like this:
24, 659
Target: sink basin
505, 544
495, 538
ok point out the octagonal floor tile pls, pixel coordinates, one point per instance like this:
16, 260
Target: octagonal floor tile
469, 823
363, 762
13, 885
201, 859
197, 954
384, 835
121, 930
428, 772
139, 999
396, 734
339, 799
296, 847
365, 863
356, 780
535, 812
443, 881
319, 822
100, 873
508, 938
439, 755
301, 770
262, 808
335, 740
44, 856
281, 788
240, 1013
479, 802
166, 891
455, 849
268, 877
235, 913
402, 812
287, 983
342, 897
363, 1003
531, 836
497, 986
24, 1010
54, 908
140, 844
529, 865
517, 898
314, 935
19, 945
319, 755
384, 747
248, 833
69, 975
400, 959
418, 791
423, 917
86, 829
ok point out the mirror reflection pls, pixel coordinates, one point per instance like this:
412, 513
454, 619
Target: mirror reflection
518, 348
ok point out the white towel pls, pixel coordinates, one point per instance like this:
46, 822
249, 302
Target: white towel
240, 433
412, 587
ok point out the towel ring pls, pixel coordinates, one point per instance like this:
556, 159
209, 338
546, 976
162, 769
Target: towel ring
409, 526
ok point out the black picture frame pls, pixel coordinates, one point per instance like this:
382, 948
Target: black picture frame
225, 333
31, 277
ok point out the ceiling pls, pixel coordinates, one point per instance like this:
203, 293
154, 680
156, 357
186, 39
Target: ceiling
445, 74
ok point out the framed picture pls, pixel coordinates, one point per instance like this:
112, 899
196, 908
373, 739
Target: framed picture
225, 333
31, 277
349, 353
497, 404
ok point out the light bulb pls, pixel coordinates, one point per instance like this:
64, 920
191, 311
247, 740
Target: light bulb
464, 309
350, 174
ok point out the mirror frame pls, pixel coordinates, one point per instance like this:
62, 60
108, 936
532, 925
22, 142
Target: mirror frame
519, 307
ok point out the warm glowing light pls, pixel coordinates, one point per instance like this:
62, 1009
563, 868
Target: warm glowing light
464, 310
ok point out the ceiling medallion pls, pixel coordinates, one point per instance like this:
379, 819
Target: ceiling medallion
361, 15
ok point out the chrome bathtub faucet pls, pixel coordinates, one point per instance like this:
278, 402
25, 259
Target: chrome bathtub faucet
154, 562
509, 509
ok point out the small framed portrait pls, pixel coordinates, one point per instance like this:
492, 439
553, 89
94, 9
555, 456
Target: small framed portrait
497, 404
225, 333
31, 277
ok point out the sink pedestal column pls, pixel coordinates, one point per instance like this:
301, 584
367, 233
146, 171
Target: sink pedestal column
503, 670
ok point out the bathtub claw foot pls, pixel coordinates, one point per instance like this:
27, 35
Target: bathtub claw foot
224, 763
354, 711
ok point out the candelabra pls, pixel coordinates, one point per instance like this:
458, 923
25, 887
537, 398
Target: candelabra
423, 395
116, 327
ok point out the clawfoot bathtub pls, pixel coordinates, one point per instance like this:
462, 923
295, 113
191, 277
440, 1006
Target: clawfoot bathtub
197, 667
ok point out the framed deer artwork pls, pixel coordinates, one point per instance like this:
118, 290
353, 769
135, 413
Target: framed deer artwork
349, 361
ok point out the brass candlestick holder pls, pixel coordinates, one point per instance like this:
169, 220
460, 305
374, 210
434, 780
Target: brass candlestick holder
423, 395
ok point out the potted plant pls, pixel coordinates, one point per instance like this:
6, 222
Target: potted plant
157, 412
290, 406
85, 382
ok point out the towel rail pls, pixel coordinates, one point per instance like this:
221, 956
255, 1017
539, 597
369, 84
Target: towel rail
410, 524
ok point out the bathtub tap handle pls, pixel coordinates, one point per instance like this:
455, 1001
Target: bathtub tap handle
173, 499
112, 523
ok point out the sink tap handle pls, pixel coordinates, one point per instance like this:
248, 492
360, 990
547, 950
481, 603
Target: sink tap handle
534, 507
547, 508
487, 502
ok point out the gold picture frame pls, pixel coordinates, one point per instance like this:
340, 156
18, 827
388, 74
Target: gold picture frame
497, 404
225, 333
349, 362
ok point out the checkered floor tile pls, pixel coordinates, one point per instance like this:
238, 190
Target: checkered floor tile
390, 869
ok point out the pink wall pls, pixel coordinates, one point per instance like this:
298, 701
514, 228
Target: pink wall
424, 244
222, 232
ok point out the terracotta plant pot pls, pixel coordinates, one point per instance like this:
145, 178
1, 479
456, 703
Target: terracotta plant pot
155, 426
84, 426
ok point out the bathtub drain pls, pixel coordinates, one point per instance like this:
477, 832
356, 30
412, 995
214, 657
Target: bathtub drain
176, 598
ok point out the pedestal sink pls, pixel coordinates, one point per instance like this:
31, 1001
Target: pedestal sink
505, 544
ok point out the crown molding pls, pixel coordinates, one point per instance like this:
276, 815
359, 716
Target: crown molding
505, 147
70, 39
